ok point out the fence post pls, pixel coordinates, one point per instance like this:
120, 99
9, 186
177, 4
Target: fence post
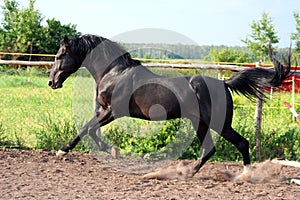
258, 122
258, 119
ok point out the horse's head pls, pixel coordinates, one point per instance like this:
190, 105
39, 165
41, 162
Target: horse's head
66, 62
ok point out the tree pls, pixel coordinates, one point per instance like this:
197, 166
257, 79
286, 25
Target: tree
229, 55
296, 36
263, 32
21, 29
54, 32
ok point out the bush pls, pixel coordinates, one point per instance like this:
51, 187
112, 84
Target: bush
53, 135
283, 143
160, 140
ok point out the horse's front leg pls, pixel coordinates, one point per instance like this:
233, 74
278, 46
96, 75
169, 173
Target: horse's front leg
83, 131
95, 134
104, 117
95, 131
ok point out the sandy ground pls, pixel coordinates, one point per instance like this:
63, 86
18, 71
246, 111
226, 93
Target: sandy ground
42, 175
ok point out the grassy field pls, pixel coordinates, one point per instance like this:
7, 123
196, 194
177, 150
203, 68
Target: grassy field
37, 117
28, 104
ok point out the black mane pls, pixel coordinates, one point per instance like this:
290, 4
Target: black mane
84, 44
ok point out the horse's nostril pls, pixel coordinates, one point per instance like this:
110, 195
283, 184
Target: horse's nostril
50, 83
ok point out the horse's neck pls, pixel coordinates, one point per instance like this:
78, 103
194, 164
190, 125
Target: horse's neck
99, 59
97, 70
92, 72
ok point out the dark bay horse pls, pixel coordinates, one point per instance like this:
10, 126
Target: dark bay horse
126, 88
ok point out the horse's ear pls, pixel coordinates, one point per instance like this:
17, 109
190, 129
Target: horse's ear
66, 40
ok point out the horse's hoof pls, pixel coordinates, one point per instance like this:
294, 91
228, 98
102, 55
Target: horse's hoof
61, 153
115, 152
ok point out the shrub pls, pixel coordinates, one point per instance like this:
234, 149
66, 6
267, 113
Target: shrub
53, 135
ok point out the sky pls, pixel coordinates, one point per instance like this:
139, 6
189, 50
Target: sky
206, 22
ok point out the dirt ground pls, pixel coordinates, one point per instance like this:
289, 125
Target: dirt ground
42, 175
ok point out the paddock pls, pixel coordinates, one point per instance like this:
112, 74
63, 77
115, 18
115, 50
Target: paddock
36, 174
32, 174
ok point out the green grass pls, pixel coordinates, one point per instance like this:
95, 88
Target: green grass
37, 117
27, 103
279, 136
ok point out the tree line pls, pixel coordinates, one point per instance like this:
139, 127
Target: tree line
21, 31
257, 42
218, 53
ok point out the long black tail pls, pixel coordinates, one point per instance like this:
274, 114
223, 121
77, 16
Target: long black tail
251, 82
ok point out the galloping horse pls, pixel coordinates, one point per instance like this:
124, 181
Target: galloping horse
127, 88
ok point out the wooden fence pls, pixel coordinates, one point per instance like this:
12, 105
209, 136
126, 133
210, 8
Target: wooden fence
160, 65
26, 63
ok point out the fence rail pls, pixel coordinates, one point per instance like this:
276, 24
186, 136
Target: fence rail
161, 65
214, 66
27, 54
196, 66
27, 63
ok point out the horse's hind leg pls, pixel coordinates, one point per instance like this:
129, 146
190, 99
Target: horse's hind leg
239, 142
207, 145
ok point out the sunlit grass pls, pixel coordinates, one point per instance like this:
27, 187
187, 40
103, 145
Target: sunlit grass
27, 101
